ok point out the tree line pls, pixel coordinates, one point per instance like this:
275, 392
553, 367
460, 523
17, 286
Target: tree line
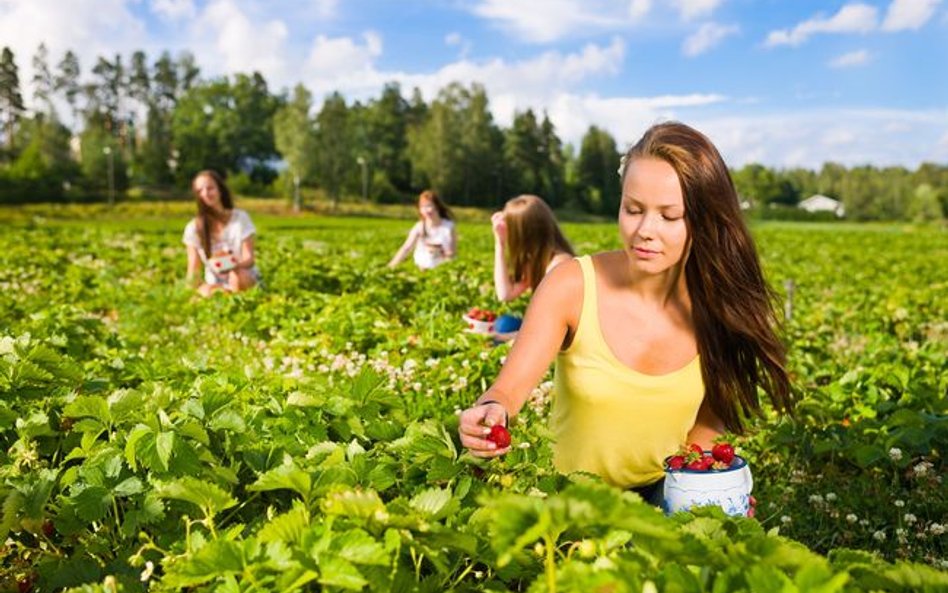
152, 125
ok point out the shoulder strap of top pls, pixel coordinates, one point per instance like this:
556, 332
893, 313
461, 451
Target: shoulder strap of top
588, 318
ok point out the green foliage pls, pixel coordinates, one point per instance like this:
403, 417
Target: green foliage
294, 137
303, 436
596, 167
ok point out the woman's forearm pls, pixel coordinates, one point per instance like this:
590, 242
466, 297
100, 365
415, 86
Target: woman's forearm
503, 285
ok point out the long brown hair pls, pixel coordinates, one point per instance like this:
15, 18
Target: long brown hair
732, 305
205, 214
440, 206
533, 238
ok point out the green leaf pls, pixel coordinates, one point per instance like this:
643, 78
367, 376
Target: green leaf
92, 503
338, 572
359, 547
128, 487
354, 503
304, 400
817, 578
164, 445
767, 579
868, 455
288, 527
131, 443
366, 382
209, 497
228, 419
89, 406
11, 506
126, 405
194, 431
287, 477
218, 558
432, 502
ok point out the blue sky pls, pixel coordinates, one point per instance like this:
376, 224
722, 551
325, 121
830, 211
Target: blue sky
782, 82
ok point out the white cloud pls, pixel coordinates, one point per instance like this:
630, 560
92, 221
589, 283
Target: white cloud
908, 14
326, 8
342, 58
349, 67
853, 58
89, 28
543, 21
638, 9
455, 39
626, 118
240, 43
837, 136
692, 9
174, 10
852, 18
706, 37
848, 136
940, 152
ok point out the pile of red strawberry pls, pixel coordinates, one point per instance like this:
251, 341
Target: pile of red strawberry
478, 314
693, 457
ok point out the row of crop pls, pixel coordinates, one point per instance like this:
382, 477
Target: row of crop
222, 483
237, 388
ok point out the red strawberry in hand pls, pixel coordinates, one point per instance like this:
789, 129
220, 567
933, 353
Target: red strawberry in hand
723, 452
500, 436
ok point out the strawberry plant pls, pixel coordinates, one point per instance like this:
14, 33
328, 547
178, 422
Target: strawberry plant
302, 436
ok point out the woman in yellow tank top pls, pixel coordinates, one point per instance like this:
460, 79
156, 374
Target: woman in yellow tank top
672, 337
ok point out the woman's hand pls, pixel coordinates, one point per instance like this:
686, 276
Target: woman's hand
499, 225
474, 426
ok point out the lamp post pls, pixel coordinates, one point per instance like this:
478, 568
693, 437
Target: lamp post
296, 193
107, 151
365, 177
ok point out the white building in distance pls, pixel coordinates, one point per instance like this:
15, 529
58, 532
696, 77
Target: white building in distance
821, 203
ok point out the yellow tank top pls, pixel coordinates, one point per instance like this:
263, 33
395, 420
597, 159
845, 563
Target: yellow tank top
610, 420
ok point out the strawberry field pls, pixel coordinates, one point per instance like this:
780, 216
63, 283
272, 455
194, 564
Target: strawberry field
302, 436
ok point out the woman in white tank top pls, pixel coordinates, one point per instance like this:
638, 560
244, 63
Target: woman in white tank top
433, 238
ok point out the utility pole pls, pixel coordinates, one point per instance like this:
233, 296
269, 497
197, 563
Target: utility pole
365, 177
111, 159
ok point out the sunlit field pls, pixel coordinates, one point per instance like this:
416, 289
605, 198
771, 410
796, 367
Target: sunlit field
302, 435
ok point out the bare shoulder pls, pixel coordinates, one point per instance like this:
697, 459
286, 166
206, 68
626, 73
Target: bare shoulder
558, 300
561, 286
565, 276
558, 259
610, 266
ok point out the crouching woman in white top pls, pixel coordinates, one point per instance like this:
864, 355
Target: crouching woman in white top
433, 237
219, 239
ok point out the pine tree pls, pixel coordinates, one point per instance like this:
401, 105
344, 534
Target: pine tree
67, 81
11, 101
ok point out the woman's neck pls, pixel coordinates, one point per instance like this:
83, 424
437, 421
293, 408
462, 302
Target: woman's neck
659, 289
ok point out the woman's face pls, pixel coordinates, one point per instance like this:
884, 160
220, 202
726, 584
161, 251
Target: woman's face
207, 191
652, 216
428, 210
